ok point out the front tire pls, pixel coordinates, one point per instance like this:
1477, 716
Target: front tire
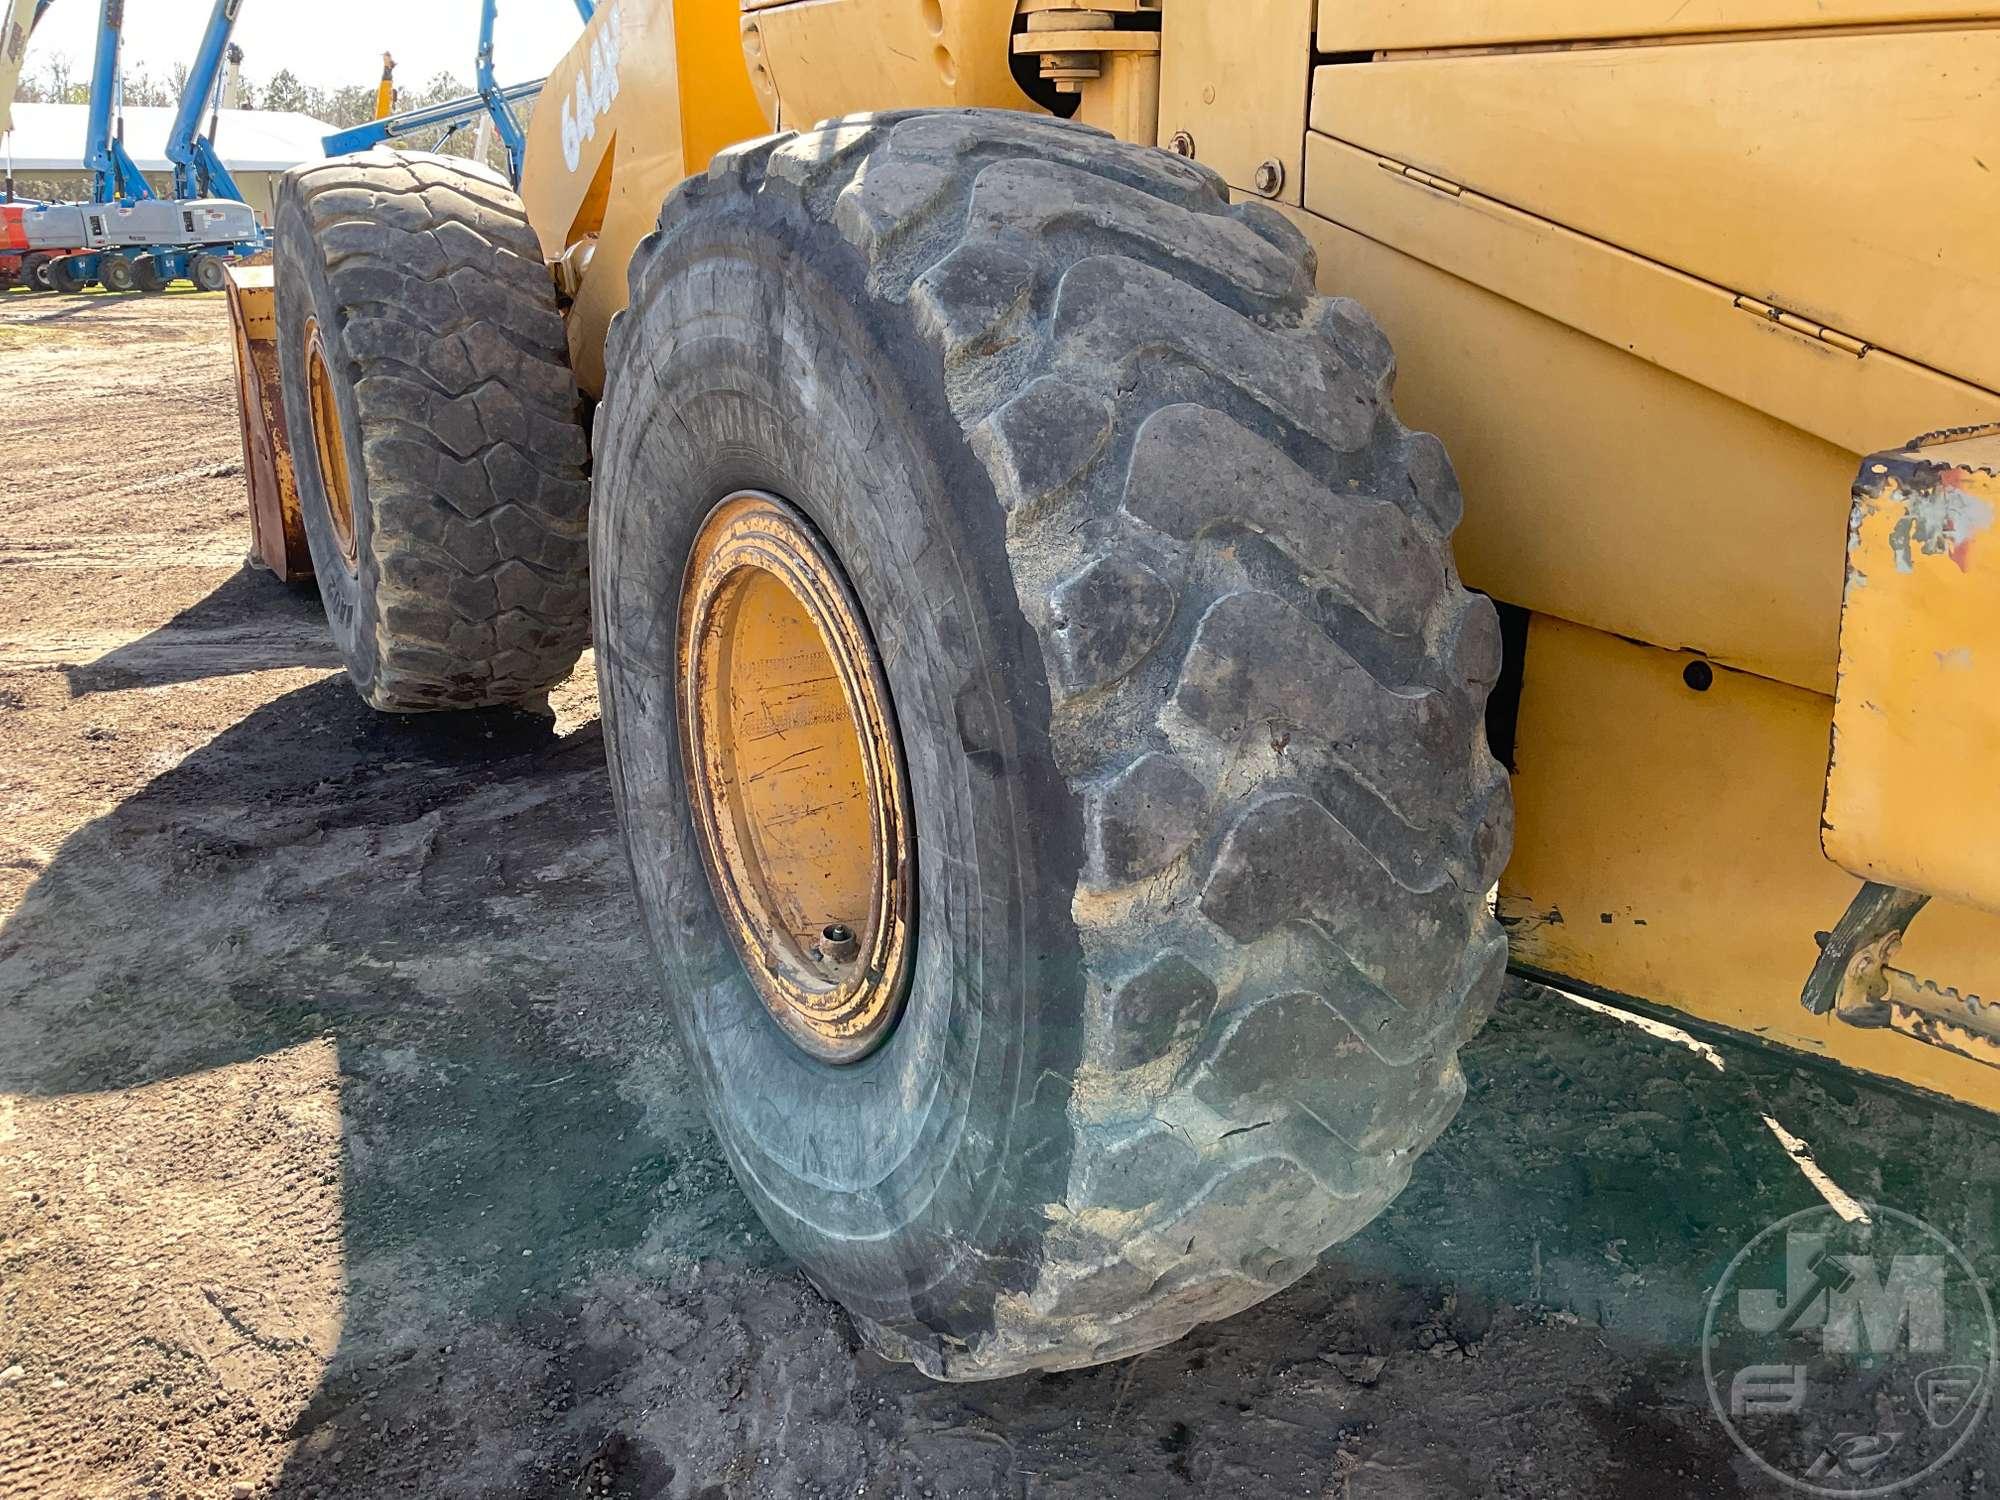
116, 273
436, 430
1191, 700
208, 272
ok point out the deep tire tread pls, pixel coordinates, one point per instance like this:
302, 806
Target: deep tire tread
446, 310
1261, 1070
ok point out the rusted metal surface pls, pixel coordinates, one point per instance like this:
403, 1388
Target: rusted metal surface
1883, 995
1852, 955
1856, 981
796, 773
1916, 722
1943, 1017
277, 533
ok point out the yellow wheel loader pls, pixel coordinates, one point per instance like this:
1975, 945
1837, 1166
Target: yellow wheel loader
1086, 762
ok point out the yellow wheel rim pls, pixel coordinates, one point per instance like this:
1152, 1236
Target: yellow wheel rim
796, 774
329, 444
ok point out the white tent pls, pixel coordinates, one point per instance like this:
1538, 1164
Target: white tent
49, 138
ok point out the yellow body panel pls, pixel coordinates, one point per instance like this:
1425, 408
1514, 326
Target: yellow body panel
1601, 486
1747, 165
836, 57
1640, 293
1909, 796
1712, 334
1234, 79
615, 131
1394, 25
1667, 847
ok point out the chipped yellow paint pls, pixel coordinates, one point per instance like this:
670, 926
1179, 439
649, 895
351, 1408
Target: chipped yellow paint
796, 775
1910, 797
1667, 848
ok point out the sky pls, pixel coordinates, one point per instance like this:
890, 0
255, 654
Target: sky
326, 45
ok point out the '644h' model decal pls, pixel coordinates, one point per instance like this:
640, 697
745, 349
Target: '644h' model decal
592, 90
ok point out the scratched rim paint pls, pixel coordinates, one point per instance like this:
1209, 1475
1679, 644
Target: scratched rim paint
330, 444
796, 772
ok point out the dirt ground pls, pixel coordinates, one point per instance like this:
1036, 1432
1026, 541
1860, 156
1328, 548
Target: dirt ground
345, 1148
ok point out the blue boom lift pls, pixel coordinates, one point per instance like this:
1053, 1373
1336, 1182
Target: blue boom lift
135, 239
198, 171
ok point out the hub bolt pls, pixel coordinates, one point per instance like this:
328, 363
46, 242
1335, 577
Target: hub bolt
838, 942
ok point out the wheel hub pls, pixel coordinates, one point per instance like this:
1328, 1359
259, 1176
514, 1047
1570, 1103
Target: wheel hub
796, 776
329, 444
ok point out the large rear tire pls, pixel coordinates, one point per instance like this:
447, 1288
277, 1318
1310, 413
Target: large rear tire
436, 430
1190, 698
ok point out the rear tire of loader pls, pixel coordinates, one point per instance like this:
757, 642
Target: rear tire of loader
436, 430
1188, 692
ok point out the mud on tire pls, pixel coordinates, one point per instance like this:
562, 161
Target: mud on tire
1191, 698
460, 421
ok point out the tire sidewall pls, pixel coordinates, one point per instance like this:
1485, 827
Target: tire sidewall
899, 1180
304, 292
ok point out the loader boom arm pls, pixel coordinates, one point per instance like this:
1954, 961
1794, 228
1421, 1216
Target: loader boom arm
17, 24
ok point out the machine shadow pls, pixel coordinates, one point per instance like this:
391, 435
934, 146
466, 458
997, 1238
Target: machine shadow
541, 1251
440, 904
248, 623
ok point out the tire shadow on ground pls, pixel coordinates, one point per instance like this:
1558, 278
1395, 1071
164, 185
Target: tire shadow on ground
437, 907
246, 624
